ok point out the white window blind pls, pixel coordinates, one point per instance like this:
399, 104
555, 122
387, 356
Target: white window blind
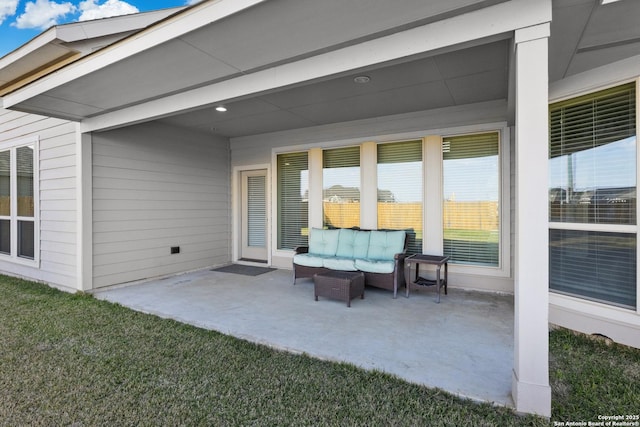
293, 200
400, 190
341, 187
592, 181
256, 211
471, 205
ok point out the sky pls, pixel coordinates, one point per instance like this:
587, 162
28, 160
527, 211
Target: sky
22, 20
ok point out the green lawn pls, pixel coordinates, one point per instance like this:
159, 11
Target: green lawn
77, 361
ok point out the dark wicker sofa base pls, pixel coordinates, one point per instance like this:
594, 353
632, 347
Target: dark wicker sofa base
388, 281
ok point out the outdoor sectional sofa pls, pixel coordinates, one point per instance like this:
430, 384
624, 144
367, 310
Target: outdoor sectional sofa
379, 254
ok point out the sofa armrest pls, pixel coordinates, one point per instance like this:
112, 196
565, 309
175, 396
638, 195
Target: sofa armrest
301, 250
399, 257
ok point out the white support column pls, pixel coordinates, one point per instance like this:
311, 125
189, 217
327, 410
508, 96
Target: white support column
316, 209
369, 186
531, 391
432, 243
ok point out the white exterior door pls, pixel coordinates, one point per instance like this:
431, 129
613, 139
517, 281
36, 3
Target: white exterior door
254, 216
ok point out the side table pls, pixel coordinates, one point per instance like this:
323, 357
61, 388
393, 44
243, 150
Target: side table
418, 259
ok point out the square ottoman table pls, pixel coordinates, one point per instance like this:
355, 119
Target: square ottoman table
340, 285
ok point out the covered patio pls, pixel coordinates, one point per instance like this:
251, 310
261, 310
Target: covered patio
463, 345
174, 118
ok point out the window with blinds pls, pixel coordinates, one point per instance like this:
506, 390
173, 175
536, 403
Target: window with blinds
17, 203
5, 202
293, 200
341, 187
471, 205
400, 191
592, 150
592, 182
24, 184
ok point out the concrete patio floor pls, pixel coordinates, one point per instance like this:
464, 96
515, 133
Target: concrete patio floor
463, 345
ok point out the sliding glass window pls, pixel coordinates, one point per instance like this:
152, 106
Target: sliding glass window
592, 196
400, 190
471, 205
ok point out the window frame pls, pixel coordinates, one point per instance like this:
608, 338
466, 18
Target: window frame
12, 146
423, 168
573, 299
500, 199
275, 249
325, 171
505, 196
431, 179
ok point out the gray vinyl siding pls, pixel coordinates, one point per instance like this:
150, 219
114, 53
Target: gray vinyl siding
58, 196
154, 187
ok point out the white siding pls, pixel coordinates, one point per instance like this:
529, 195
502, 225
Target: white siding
58, 189
155, 187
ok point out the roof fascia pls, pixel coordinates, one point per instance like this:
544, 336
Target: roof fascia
69, 33
496, 21
168, 29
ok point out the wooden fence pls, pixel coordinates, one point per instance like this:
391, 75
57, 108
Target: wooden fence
457, 215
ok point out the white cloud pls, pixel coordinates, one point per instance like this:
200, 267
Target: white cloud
7, 8
91, 10
43, 14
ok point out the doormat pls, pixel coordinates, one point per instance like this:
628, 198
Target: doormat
246, 270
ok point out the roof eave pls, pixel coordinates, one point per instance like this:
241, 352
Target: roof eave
56, 46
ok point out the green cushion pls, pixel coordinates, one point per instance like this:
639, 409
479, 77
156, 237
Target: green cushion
323, 242
336, 263
309, 260
374, 266
353, 243
383, 245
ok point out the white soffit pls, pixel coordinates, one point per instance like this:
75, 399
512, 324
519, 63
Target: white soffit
475, 74
587, 34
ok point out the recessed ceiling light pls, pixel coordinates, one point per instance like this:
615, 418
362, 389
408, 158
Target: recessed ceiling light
362, 79
221, 108
608, 1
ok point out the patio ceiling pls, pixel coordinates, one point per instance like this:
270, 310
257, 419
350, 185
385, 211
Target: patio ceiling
466, 76
584, 34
